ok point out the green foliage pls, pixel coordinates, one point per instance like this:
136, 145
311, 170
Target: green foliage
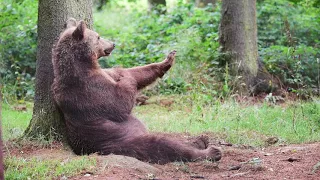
149, 36
288, 41
285, 23
18, 36
297, 66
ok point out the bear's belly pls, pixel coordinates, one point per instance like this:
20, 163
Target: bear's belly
134, 127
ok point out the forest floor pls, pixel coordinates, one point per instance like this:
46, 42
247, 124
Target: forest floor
299, 161
276, 160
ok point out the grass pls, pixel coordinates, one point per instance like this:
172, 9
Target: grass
34, 168
293, 122
296, 122
14, 122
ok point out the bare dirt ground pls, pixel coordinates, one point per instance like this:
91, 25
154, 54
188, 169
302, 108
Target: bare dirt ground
301, 161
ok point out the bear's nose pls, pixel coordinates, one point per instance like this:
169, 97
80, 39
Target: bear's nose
114, 45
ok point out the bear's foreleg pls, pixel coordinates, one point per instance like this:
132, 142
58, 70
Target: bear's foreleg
146, 75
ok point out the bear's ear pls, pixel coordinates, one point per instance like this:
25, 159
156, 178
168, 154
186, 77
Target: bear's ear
79, 32
71, 22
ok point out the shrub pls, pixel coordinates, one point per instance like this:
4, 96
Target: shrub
18, 42
288, 41
298, 67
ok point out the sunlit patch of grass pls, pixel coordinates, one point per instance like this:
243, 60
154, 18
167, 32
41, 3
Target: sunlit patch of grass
298, 122
14, 122
34, 168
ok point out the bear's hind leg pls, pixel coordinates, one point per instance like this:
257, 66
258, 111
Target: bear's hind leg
162, 150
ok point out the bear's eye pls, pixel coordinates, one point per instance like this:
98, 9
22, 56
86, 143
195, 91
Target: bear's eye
98, 37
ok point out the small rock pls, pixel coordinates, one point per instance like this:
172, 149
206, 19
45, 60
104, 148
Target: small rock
237, 167
293, 159
268, 154
272, 140
225, 144
127, 163
63, 178
315, 168
197, 177
270, 169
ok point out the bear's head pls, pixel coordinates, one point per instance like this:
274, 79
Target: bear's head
78, 35
77, 51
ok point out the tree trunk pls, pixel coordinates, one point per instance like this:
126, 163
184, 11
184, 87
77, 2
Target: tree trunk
204, 3
238, 38
47, 121
1, 142
154, 3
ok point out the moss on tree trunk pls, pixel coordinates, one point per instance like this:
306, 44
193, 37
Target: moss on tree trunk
46, 120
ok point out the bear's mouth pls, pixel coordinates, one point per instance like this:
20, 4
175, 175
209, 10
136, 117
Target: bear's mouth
107, 53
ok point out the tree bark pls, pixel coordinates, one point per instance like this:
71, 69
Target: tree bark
238, 38
204, 3
47, 121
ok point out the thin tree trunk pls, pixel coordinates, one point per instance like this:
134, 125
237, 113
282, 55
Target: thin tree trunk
1, 142
238, 38
47, 121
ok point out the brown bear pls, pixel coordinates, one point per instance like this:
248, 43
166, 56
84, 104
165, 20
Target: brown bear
97, 103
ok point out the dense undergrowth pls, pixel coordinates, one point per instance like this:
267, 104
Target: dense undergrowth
288, 44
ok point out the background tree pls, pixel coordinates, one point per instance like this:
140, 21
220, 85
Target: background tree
204, 3
238, 38
52, 15
154, 3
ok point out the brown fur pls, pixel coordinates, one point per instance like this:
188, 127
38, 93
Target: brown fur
97, 103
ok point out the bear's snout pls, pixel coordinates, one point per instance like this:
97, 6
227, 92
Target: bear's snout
108, 48
107, 52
